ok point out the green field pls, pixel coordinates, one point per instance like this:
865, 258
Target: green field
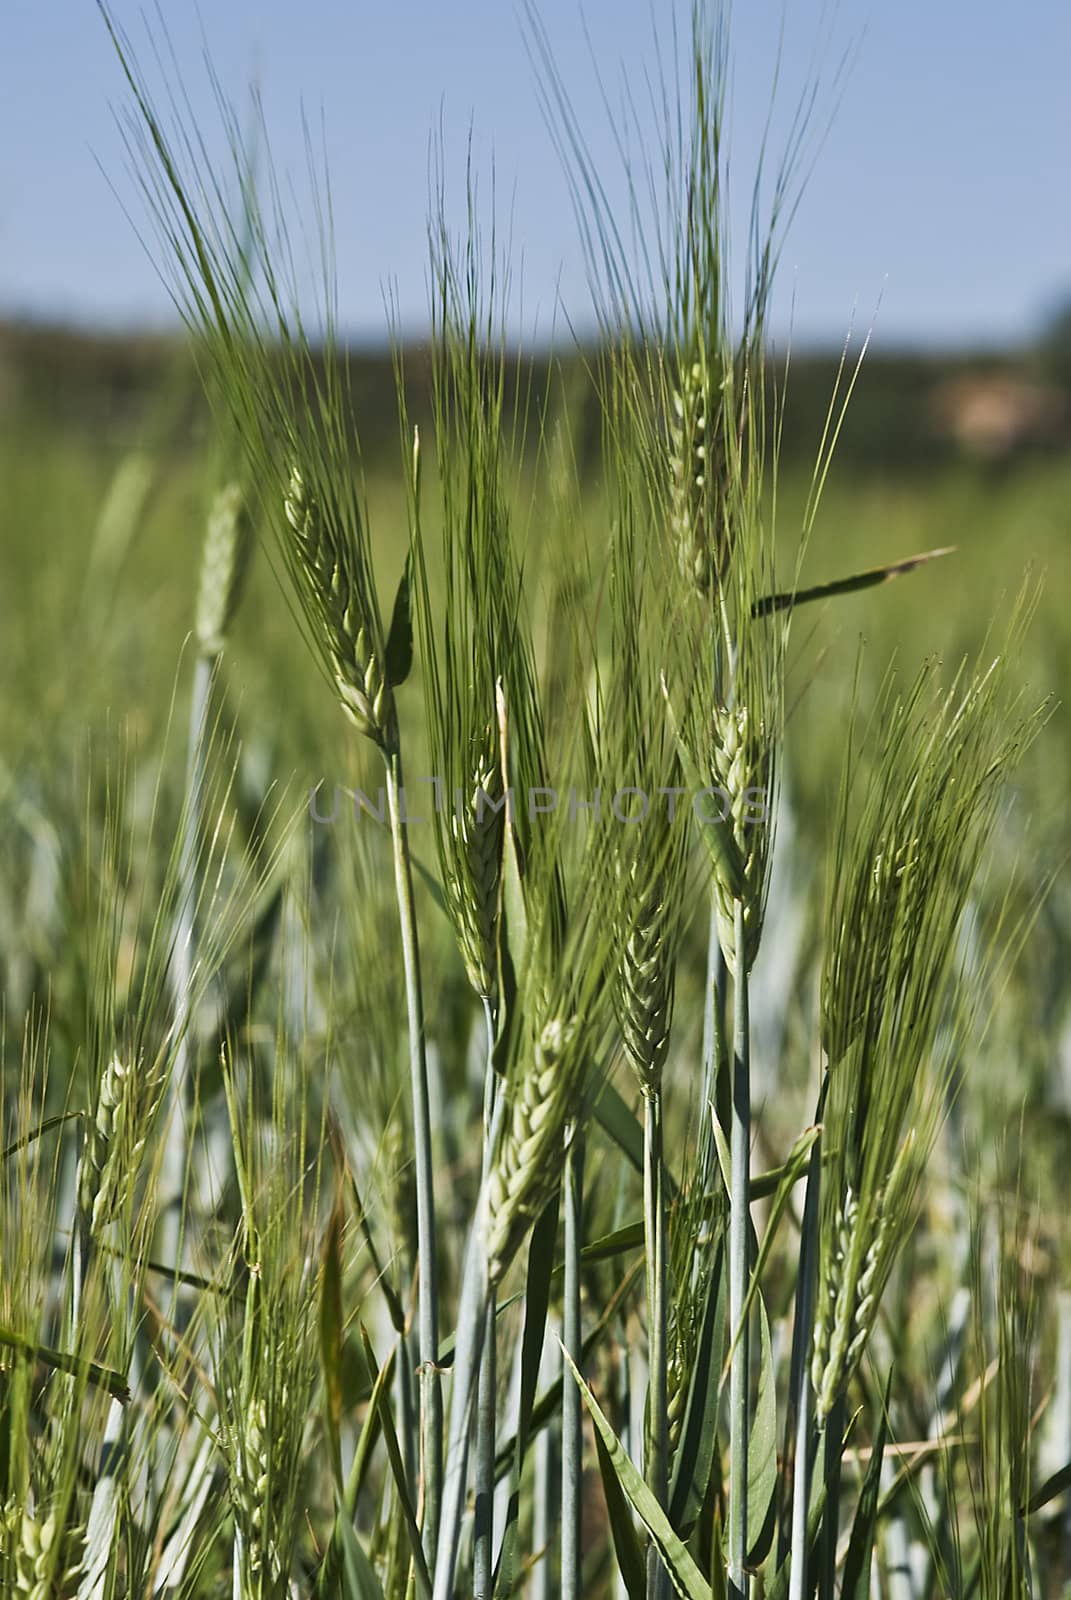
107, 459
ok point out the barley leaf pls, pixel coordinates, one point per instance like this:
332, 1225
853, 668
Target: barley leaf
357, 1381
630, 1562
617, 1243
100, 1377
685, 1575
37, 1133
762, 1450
448, 1347
537, 1302
397, 1466
777, 1587
369, 1435
331, 1337
777, 1182
617, 1119
621, 1124
869, 579
790, 1174
724, 1160
549, 1403
398, 657
855, 1584
699, 1431
431, 884
357, 1578
1048, 1491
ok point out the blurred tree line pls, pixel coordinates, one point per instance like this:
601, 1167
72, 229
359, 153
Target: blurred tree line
908, 411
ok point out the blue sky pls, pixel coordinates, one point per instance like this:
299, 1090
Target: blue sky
941, 189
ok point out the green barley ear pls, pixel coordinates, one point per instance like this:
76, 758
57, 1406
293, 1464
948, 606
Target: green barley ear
647, 969
894, 1015
697, 521
544, 1092
225, 557
115, 1141
331, 572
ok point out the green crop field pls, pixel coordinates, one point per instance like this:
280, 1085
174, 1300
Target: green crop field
624, 1151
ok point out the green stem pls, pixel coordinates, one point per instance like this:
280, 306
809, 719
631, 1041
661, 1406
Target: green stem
431, 1400
471, 1325
800, 1380
572, 1430
483, 1532
654, 1220
834, 1439
473, 1321
739, 1216
483, 1519
543, 1499
406, 1403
